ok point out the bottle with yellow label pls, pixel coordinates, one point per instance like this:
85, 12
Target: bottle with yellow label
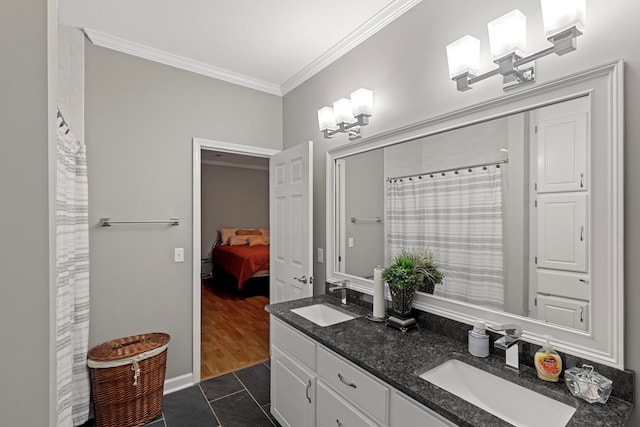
548, 363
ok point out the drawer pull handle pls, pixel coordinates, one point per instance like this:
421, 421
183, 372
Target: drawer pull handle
307, 391
346, 382
339, 423
581, 314
582, 234
582, 180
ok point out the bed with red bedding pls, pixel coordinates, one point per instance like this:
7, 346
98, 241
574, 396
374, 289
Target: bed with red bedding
242, 261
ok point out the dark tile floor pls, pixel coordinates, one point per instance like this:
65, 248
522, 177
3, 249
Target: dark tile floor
238, 399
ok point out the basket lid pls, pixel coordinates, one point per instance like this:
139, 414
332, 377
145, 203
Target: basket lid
122, 348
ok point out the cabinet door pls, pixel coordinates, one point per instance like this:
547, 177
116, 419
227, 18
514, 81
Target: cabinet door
407, 412
562, 231
563, 311
334, 411
562, 154
293, 391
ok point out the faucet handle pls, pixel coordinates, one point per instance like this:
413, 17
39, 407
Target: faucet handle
511, 330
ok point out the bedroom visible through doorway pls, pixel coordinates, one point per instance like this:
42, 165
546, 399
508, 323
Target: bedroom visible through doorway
234, 253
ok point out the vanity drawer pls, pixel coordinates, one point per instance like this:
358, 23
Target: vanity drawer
333, 411
355, 384
293, 342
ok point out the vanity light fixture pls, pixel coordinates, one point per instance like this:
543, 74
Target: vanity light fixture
347, 115
564, 21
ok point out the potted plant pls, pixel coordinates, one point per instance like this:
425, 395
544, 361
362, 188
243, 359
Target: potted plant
410, 270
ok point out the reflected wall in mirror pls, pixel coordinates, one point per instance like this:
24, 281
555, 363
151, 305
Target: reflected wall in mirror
502, 204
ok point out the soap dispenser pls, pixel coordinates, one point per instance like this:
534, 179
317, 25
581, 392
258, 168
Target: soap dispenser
548, 362
479, 340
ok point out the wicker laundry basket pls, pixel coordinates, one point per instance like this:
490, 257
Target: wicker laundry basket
127, 379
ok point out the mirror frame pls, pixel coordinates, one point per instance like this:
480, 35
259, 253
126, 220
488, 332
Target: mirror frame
604, 85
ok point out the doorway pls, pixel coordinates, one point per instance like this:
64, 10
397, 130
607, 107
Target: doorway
224, 338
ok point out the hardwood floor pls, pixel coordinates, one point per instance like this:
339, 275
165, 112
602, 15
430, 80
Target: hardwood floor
234, 325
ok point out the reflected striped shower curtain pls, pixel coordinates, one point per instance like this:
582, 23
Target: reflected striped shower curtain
457, 216
72, 280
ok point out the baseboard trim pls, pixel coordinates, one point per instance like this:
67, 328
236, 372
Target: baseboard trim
178, 383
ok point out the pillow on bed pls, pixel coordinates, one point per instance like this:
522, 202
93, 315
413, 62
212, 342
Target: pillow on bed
237, 240
265, 235
254, 232
225, 233
255, 241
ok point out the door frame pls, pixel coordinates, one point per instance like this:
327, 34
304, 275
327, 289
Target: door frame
226, 147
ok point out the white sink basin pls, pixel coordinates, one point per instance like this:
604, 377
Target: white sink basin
511, 402
323, 314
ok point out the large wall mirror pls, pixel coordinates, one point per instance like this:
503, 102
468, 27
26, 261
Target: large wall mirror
520, 201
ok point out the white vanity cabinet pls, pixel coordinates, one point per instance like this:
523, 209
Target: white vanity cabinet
293, 380
313, 386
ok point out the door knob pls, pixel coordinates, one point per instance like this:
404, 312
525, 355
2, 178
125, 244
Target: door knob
302, 279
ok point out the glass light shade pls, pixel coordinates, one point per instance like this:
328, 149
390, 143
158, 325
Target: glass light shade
464, 56
342, 111
559, 15
326, 119
362, 102
508, 34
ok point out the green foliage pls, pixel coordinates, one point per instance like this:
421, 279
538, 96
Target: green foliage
412, 269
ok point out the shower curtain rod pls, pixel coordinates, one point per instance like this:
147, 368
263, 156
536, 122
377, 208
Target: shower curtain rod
443, 171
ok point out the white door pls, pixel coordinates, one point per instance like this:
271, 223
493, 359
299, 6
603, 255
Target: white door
291, 223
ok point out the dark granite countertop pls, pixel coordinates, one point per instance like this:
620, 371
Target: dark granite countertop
398, 358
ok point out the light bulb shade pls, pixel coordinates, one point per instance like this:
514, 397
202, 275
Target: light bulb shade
342, 111
362, 102
326, 119
560, 15
508, 34
464, 56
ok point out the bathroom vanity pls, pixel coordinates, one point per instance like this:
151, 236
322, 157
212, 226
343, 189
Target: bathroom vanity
361, 373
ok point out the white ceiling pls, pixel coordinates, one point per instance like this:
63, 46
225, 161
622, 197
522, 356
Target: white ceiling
269, 45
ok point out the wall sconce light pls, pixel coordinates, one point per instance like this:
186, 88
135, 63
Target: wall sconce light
564, 21
347, 115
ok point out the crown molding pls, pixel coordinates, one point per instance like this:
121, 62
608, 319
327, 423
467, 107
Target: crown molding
142, 51
362, 33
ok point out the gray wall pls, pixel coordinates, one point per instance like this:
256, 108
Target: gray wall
24, 185
234, 198
364, 192
140, 118
405, 65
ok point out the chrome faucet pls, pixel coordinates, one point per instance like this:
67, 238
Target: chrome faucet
509, 343
341, 287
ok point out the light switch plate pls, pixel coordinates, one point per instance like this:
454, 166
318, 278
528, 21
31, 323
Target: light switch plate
320, 255
350, 244
178, 255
